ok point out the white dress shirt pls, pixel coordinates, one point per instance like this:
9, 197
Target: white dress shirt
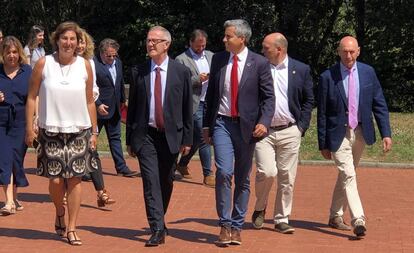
280, 75
203, 67
225, 100
163, 73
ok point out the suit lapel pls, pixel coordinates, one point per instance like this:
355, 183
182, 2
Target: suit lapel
339, 82
147, 82
362, 81
248, 66
191, 60
223, 69
291, 78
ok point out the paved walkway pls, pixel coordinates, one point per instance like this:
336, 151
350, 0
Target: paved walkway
387, 195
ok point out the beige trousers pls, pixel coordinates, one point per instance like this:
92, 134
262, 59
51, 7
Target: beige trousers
347, 159
277, 155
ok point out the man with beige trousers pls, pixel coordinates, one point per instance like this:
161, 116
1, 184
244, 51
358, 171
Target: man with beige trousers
277, 154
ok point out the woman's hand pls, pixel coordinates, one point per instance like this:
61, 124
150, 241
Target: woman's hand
93, 142
31, 136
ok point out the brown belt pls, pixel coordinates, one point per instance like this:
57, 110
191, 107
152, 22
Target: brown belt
282, 127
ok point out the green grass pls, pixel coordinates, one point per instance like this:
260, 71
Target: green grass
402, 137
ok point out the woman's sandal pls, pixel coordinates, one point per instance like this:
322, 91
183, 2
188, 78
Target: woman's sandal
60, 226
104, 199
75, 241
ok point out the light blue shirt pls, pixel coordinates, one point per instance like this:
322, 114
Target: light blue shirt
345, 79
203, 67
163, 73
112, 70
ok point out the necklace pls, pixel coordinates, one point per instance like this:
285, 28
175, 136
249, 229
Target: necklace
64, 77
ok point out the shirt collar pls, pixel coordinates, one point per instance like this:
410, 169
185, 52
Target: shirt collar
283, 64
197, 56
111, 65
163, 66
346, 70
242, 56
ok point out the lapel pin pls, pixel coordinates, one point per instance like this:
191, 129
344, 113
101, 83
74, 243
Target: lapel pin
249, 64
294, 72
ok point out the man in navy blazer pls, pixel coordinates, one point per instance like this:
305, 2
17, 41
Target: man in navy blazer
111, 98
159, 125
278, 153
349, 95
240, 106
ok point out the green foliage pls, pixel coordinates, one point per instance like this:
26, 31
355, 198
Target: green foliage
384, 29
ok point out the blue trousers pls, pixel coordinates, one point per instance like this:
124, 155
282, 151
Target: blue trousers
199, 144
232, 156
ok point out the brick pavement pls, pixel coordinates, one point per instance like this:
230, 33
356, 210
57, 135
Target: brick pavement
387, 196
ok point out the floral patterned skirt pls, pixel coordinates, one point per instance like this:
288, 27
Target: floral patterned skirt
64, 155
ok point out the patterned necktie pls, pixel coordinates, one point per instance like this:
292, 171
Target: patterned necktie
159, 118
234, 82
352, 101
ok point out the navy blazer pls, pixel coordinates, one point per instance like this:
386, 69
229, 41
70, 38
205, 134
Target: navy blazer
109, 94
256, 99
177, 107
333, 107
300, 93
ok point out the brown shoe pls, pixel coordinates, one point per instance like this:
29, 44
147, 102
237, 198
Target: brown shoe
235, 236
209, 181
104, 199
338, 223
225, 236
183, 171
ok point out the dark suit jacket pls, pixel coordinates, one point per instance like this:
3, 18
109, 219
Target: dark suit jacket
177, 107
256, 99
300, 93
109, 94
187, 59
333, 107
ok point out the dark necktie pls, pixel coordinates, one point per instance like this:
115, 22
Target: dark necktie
234, 82
159, 118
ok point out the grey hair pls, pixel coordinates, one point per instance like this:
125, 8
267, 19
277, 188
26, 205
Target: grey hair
242, 28
167, 34
107, 43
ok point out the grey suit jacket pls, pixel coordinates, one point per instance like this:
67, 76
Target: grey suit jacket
187, 59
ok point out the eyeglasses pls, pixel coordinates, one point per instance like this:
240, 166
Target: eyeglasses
155, 41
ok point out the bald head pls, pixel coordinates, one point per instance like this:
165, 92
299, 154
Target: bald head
274, 47
348, 51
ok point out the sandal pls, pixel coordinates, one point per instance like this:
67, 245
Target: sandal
75, 241
8, 209
60, 226
104, 199
18, 205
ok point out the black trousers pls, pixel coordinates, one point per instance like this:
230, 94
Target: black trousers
157, 170
96, 175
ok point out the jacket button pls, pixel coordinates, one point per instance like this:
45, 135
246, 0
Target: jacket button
346, 113
346, 125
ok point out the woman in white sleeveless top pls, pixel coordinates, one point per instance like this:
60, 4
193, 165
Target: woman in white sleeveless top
67, 123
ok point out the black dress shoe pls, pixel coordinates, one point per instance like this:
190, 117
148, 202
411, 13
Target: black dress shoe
128, 173
157, 238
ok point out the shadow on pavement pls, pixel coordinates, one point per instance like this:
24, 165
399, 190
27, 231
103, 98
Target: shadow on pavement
34, 197
208, 222
28, 234
130, 234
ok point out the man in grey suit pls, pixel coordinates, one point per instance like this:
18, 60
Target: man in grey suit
198, 60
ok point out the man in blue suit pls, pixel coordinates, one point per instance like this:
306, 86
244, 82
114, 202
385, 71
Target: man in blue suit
278, 153
349, 95
111, 98
240, 106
